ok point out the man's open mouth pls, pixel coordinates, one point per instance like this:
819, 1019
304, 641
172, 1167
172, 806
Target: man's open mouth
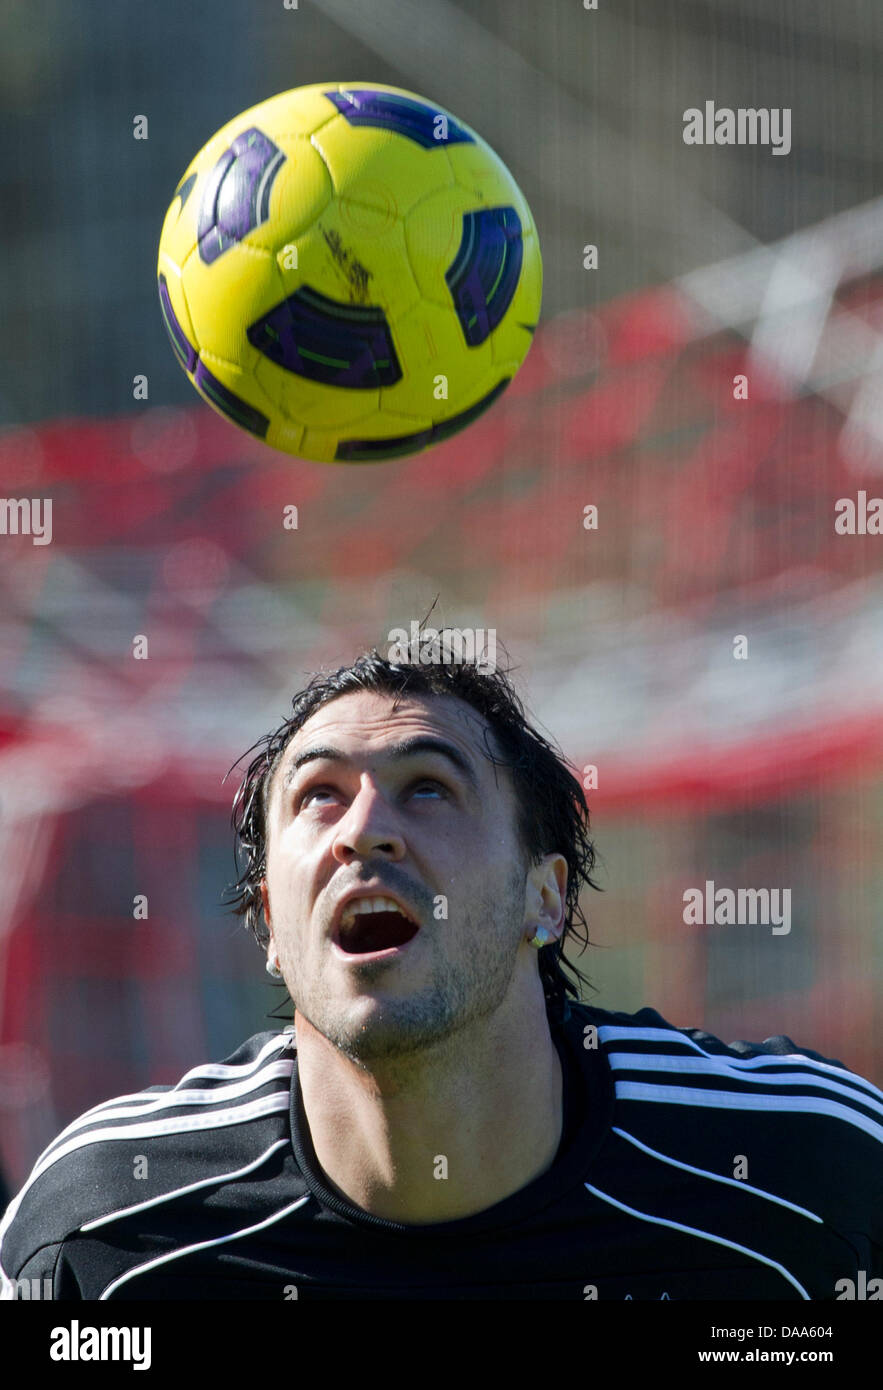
373, 924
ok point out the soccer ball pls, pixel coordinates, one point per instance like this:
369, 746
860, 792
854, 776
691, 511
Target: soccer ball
349, 273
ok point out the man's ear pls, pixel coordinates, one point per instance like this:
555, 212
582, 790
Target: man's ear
265, 899
550, 890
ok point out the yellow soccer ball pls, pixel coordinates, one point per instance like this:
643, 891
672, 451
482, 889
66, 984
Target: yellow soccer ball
349, 272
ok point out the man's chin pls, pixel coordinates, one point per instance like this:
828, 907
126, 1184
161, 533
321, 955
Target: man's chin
375, 1031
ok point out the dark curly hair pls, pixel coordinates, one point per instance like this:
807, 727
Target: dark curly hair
552, 813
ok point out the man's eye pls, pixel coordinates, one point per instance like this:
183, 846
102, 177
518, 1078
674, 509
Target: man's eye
315, 791
428, 783
425, 784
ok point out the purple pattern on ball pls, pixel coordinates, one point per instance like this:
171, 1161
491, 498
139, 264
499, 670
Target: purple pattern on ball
387, 111
236, 196
227, 401
484, 274
324, 340
399, 446
185, 351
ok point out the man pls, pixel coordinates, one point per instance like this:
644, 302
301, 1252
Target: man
446, 1120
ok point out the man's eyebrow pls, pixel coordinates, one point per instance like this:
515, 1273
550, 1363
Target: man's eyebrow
423, 743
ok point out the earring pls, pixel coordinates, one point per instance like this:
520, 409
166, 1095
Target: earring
272, 967
544, 937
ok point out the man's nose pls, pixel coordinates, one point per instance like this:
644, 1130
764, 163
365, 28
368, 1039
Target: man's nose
368, 828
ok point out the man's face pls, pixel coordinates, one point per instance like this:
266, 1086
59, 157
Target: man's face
432, 827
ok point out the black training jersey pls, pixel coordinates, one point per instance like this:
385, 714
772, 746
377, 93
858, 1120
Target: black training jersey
687, 1170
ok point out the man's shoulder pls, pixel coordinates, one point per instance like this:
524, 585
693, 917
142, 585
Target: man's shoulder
655, 1060
780, 1112
647, 1031
140, 1148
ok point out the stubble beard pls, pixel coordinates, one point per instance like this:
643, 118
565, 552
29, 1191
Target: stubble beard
462, 990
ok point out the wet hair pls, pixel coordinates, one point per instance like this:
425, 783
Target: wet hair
552, 816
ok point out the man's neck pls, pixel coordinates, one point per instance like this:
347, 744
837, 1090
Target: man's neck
441, 1134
